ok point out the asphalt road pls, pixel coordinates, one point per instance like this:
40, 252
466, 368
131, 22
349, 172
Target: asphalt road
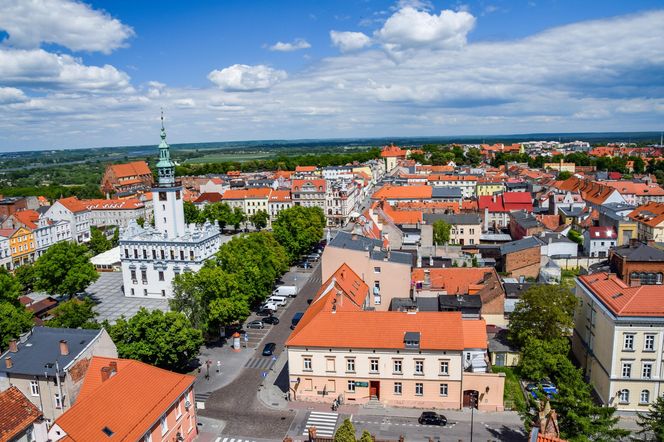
238, 403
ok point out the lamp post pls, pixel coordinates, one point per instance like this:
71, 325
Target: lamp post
473, 402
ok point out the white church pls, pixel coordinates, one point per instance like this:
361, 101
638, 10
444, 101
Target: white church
152, 256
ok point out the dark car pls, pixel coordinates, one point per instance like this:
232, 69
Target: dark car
296, 319
271, 320
268, 350
256, 324
432, 418
264, 312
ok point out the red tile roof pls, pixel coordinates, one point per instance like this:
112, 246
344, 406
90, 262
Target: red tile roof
280, 196
506, 202
113, 204
73, 204
18, 413
632, 188
403, 192
392, 151
455, 280
305, 168
135, 168
597, 232
240, 194
28, 218
623, 300
298, 185
129, 402
209, 197
436, 177
651, 214
402, 216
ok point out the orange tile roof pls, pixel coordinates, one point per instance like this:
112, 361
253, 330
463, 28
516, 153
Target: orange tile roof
435, 169
474, 333
455, 280
403, 192
28, 218
632, 188
73, 204
623, 300
651, 214
305, 168
129, 402
241, 194
551, 222
114, 204
429, 205
402, 216
135, 168
392, 151
280, 196
286, 174
296, 185
436, 177
18, 413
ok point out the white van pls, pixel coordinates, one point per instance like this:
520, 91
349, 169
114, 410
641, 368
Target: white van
277, 300
285, 290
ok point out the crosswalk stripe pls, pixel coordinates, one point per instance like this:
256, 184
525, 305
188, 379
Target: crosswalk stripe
323, 413
322, 419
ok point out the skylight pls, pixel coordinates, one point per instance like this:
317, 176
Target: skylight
107, 431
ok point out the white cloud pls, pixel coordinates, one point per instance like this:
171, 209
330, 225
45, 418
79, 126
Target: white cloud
242, 77
296, 45
410, 28
10, 95
349, 41
68, 23
40, 69
184, 103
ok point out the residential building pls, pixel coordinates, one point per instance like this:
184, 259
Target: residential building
48, 365
20, 420
598, 240
337, 172
618, 333
432, 360
341, 199
560, 167
129, 400
249, 200
5, 250
279, 200
391, 155
309, 192
73, 211
521, 258
129, 179
557, 245
617, 217
386, 272
522, 223
208, 198
49, 232
650, 219
214, 185
637, 193
118, 212
170, 248
466, 228
467, 183
638, 264
10, 205
489, 188
496, 208
21, 245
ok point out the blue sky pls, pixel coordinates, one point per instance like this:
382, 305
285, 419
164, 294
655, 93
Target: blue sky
78, 74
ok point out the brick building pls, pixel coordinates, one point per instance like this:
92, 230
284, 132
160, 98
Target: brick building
521, 257
638, 264
123, 180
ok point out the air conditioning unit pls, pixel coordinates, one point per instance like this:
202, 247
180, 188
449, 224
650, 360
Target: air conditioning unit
187, 404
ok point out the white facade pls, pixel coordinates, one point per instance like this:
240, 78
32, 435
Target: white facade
335, 172
598, 247
214, 186
112, 214
79, 221
5, 253
341, 200
50, 232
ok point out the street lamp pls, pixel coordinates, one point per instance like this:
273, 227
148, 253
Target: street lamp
473, 403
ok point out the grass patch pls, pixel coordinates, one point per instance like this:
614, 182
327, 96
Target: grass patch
513, 397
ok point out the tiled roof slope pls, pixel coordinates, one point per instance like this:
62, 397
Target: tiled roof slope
623, 300
17, 413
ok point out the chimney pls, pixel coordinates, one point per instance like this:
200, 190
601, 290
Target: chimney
105, 373
427, 277
13, 346
8, 362
64, 347
113, 365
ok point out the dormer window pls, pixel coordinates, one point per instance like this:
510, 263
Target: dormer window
412, 340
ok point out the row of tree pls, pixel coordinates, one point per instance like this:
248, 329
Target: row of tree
223, 215
442, 154
610, 164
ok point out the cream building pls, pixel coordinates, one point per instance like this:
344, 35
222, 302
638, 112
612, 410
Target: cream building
618, 339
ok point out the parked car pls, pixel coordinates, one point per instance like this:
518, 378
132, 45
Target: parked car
313, 257
265, 312
432, 418
269, 306
268, 350
296, 320
545, 385
271, 320
303, 265
285, 290
256, 324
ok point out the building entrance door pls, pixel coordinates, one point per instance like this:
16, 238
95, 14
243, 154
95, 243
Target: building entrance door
374, 390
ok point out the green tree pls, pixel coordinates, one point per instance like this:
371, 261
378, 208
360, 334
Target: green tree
64, 269
25, 274
540, 358
74, 314
259, 219
298, 229
441, 232
230, 310
14, 320
166, 340
366, 437
10, 287
98, 241
473, 156
563, 175
191, 213
115, 241
544, 312
575, 236
140, 221
345, 433
237, 217
639, 165
217, 212
651, 424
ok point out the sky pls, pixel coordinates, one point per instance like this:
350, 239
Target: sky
96, 73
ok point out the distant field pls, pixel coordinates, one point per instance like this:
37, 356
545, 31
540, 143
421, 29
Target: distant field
231, 156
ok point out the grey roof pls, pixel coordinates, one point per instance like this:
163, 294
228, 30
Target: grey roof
615, 207
42, 209
641, 253
398, 257
525, 219
518, 245
344, 240
495, 237
446, 302
572, 211
462, 218
423, 304
412, 336
446, 192
41, 350
544, 237
515, 289
498, 343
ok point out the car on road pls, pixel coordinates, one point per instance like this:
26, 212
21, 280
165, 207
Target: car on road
271, 320
268, 350
256, 324
303, 265
432, 418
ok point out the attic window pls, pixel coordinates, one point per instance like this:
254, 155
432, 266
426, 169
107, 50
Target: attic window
411, 340
107, 431
617, 295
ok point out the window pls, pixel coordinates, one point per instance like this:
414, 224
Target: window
58, 400
145, 254
161, 252
649, 343
135, 254
645, 397
178, 410
172, 254
626, 369
468, 356
373, 363
147, 438
163, 293
164, 425
351, 386
145, 292
307, 364
154, 254
350, 365
628, 342
397, 366
443, 390
34, 388
419, 367
419, 389
444, 367
162, 196
329, 365
376, 269
181, 255
132, 292
624, 396
161, 275
144, 276
397, 388
646, 371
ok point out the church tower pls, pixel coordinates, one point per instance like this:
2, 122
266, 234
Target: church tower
167, 195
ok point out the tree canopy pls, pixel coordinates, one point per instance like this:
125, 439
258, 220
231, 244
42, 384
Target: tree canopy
98, 241
166, 340
298, 229
441, 232
191, 213
14, 320
259, 219
64, 269
10, 287
651, 423
74, 314
345, 433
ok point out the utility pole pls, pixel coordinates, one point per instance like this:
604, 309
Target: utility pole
473, 401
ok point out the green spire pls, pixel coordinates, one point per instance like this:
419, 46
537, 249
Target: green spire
165, 167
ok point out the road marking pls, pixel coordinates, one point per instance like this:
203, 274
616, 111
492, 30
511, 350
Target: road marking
325, 423
261, 363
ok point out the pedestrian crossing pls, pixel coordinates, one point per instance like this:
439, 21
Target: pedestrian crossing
263, 363
325, 423
200, 399
232, 439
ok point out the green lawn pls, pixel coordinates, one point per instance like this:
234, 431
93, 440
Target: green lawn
513, 396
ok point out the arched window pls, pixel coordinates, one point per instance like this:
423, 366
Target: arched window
645, 397
624, 396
